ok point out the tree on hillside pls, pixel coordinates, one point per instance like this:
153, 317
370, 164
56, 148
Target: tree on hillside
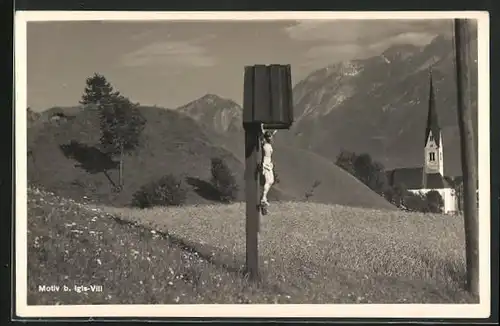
396, 194
121, 125
345, 160
368, 171
98, 91
223, 180
371, 173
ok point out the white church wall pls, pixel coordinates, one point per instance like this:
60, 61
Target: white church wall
448, 195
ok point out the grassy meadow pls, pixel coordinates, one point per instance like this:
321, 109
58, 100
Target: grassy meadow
309, 253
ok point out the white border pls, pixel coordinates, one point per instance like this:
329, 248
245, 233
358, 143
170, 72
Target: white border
481, 310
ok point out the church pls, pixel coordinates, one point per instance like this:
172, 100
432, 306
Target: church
430, 176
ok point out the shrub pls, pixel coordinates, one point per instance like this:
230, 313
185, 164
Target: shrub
415, 202
431, 202
435, 202
223, 180
167, 191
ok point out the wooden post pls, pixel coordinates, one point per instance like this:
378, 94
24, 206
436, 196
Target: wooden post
267, 99
468, 155
252, 157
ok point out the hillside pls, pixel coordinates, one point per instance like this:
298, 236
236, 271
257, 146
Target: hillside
299, 169
171, 143
68, 240
332, 254
35, 118
38, 121
174, 143
379, 105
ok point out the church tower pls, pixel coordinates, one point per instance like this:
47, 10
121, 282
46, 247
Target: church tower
433, 149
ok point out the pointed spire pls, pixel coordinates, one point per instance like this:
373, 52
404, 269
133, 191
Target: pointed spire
432, 117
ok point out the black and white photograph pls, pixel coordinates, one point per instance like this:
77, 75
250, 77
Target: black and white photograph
237, 164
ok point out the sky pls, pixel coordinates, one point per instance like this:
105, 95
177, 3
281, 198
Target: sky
169, 64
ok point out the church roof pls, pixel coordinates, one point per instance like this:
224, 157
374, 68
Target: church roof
412, 178
432, 117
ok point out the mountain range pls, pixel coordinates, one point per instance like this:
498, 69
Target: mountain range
221, 115
379, 105
376, 105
